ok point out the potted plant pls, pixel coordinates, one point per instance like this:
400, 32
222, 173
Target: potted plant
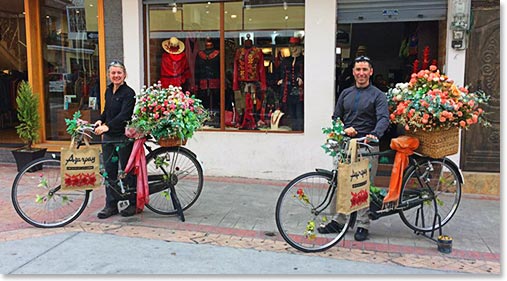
28, 128
170, 115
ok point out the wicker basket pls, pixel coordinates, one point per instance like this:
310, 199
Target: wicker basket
437, 144
174, 141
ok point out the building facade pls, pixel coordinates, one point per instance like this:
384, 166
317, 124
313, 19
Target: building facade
275, 131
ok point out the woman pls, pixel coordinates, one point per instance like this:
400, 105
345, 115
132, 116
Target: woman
120, 101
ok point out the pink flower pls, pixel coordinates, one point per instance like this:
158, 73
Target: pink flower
462, 123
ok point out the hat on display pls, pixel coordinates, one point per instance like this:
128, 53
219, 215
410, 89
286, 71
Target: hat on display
173, 46
295, 41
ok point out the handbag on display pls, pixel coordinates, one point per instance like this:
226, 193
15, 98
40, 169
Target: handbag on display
353, 183
80, 168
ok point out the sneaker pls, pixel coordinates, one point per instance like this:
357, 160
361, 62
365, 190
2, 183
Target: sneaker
332, 227
129, 211
107, 212
361, 234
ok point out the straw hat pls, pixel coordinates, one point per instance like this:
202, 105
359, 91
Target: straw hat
171, 44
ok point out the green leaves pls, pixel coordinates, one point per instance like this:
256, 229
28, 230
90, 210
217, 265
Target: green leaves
72, 124
336, 133
166, 195
28, 114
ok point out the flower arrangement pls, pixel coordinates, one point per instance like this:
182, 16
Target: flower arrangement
165, 113
431, 101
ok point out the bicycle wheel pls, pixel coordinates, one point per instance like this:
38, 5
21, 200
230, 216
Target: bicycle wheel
38, 199
177, 166
304, 205
441, 191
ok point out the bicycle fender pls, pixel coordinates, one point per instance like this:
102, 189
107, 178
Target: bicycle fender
188, 150
456, 168
324, 171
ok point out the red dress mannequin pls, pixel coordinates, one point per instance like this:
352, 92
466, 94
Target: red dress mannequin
174, 69
249, 75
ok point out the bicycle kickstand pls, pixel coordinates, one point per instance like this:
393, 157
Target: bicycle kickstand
176, 203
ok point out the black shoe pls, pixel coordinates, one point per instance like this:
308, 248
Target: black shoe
332, 227
129, 211
361, 234
107, 212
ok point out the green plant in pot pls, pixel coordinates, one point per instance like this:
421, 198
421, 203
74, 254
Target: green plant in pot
28, 128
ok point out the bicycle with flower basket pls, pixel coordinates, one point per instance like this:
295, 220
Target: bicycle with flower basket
429, 197
175, 180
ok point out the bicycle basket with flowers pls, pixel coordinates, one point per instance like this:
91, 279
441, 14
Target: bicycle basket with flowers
432, 107
166, 113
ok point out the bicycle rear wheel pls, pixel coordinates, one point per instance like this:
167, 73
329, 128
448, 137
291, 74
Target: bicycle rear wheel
304, 205
441, 192
179, 167
38, 199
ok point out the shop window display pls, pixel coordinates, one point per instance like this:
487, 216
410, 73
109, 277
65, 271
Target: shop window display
70, 52
253, 55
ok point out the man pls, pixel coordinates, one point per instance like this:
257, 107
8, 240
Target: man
364, 112
346, 79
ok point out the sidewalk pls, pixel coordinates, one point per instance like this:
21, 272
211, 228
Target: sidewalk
239, 213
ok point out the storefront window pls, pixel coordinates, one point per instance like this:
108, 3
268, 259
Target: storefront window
70, 61
263, 59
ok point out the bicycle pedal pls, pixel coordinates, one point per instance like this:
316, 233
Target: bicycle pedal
122, 205
385, 210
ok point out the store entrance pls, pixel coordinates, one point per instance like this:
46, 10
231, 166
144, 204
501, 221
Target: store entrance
13, 66
393, 48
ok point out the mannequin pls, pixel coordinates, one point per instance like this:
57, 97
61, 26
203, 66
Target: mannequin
248, 78
207, 76
291, 74
174, 69
275, 119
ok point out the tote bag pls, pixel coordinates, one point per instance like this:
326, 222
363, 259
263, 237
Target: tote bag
80, 168
353, 183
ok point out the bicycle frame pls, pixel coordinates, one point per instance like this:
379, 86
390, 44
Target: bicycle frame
415, 160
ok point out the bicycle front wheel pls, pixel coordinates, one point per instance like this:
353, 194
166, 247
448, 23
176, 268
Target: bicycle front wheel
305, 204
440, 193
175, 166
38, 198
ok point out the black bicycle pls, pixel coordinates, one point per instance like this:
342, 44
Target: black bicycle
175, 179
429, 198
